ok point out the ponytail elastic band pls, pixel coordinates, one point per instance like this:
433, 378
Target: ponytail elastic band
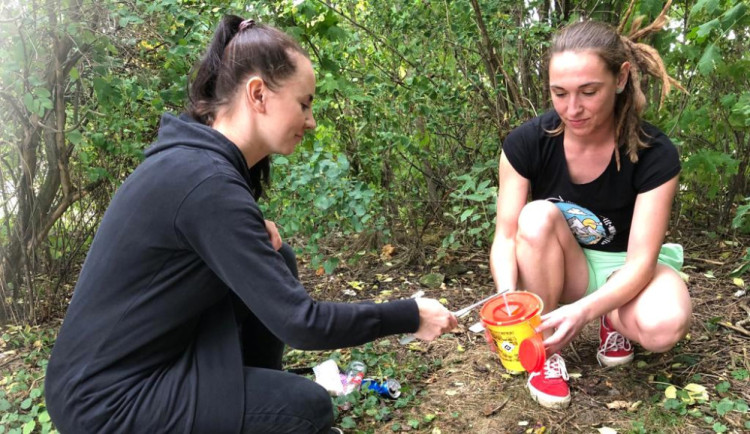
247, 24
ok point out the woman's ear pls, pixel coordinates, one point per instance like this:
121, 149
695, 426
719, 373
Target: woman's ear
255, 92
622, 77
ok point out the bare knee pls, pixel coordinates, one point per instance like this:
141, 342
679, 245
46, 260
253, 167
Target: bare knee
536, 223
661, 333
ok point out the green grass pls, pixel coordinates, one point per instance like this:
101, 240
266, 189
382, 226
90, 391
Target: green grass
719, 410
25, 352
364, 411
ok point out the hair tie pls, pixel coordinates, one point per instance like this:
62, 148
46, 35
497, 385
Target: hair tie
247, 24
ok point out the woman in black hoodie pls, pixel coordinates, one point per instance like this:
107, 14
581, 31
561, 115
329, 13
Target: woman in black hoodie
184, 304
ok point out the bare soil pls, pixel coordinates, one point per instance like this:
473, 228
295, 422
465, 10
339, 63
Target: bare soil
471, 393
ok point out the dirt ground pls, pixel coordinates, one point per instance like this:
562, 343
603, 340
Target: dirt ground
471, 393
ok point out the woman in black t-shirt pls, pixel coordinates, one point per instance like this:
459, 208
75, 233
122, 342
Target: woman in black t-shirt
602, 183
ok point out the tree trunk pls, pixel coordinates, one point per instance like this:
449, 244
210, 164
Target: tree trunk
44, 188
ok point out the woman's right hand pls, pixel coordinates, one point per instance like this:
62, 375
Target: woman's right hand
434, 319
565, 322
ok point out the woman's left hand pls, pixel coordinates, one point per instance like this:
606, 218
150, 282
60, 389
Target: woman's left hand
273, 233
566, 321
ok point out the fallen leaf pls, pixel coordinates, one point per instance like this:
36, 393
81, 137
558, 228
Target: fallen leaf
488, 410
450, 392
320, 271
607, 430
697, 392
634, 406
356, 284
460, 348
386, 252
739, 282
432, 280
415, 346
670, 392
618, 405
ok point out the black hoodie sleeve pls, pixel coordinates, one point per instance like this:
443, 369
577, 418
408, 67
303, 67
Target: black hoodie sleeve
222, 223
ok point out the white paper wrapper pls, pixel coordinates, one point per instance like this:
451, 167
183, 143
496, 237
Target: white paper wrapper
477, 327
327, 374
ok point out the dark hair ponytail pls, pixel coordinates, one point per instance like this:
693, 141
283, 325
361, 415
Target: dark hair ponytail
240, 48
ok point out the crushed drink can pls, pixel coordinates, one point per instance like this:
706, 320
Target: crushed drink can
388, 388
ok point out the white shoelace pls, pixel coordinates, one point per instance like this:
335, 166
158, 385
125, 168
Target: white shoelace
615, 341
554, 367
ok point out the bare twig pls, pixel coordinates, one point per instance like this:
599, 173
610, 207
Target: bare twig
735, 328
498, 408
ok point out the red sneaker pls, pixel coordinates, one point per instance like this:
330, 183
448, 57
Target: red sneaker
549, 387
614, 348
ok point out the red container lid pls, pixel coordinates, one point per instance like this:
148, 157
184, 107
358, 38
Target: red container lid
531, 354
511, 308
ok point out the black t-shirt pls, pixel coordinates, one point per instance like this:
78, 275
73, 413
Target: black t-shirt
600, 212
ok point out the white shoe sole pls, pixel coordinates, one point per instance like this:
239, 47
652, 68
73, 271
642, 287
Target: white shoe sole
614, 361
548, 401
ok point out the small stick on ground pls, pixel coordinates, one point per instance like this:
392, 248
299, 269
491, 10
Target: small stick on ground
496, 409
737, 329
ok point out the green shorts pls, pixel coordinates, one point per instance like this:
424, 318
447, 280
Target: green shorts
603, 264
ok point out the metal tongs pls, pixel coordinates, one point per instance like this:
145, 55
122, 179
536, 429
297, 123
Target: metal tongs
458, 314
465, 311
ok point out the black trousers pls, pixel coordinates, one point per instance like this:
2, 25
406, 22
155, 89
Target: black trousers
278, 401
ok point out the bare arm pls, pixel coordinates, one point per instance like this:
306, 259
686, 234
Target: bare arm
511, 197
649, 226
650, 221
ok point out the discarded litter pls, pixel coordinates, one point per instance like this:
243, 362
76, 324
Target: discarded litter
354, 376
389, 388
